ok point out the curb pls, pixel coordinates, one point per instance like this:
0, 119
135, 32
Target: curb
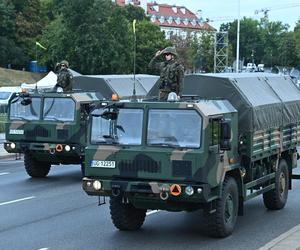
8, 156
285, 240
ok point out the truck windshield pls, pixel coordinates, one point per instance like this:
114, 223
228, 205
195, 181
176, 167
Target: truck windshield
25, 112
174, 128
59, 109
126, 129
4, 95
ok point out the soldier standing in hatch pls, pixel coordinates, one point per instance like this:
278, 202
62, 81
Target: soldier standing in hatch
171, 72
64, 77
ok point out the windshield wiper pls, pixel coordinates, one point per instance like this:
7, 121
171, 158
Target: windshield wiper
164, 144
19, 118
109, 139
52, 118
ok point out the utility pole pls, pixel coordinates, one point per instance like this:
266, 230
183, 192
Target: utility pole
238, 39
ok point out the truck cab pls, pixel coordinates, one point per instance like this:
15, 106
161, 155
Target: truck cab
49, 128
159, 155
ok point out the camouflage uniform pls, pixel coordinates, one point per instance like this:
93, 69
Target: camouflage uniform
64, 78
171, 74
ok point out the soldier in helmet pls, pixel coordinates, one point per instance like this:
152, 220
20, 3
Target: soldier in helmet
171, 72
64, 77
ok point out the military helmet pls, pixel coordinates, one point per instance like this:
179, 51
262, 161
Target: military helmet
65, 63
170, 50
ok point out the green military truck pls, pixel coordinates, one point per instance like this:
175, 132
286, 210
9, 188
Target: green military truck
236, 140
49, 128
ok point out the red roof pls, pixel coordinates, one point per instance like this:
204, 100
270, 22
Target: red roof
120, 2
186, 16
167, 10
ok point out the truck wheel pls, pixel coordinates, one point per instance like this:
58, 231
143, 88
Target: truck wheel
35, 168
222, 222
125, 216
82, 169
276, 199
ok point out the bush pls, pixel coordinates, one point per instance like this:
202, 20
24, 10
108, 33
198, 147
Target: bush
2, 122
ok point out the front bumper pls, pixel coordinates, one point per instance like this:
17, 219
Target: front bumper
55, 152
148, 190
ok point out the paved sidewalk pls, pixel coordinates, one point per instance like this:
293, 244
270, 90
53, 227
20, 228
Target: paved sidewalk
3, 153
289, 240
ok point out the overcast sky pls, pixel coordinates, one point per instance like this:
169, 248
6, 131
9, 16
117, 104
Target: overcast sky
228, 9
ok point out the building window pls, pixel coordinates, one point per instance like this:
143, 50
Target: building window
162, 19
182, 9
170, 20
153, 18
194, 22
178, 21
186, 21
174, 8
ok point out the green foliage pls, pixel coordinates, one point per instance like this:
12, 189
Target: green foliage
269, 42
134, 12
297, 46
149, 40
9, 51
99, 38
196, 51
2, 122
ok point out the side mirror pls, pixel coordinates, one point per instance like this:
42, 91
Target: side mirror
225, 127
26, 101
109, 115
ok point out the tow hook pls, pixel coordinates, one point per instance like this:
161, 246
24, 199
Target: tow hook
115, 191
164, 192
164, 195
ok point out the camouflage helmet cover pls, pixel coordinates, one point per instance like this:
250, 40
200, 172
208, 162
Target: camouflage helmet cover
65, 62
170, 50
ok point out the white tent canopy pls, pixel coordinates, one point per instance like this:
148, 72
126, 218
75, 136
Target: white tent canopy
47, 82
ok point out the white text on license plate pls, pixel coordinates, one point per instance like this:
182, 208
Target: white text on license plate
103, 164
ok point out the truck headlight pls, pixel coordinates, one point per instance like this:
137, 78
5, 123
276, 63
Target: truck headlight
12, 145
189, 190
67, 148
97, 185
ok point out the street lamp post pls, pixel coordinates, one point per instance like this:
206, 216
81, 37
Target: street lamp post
238, 39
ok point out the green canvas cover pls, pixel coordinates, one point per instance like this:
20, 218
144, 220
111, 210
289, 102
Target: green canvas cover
263, 100
116, 84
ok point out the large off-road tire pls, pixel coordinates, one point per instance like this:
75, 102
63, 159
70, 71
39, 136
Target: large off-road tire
221, 223
125, 216
82, 167
275, 199
35, 168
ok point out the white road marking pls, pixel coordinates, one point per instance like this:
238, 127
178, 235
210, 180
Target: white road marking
44, 248
14, 201
286, 238
4, 173
152, 212
8, 162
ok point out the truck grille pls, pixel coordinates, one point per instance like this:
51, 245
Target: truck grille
141, 163
37, 132
181, 168
62, 134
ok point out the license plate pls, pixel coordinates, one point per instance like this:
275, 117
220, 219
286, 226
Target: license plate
103, 164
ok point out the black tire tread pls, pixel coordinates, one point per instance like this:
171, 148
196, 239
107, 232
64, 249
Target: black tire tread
214, 221
35, 168
271, 198
126, 217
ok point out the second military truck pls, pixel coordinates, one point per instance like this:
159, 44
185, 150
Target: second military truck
238, 139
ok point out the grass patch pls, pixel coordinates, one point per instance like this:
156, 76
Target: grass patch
2, 122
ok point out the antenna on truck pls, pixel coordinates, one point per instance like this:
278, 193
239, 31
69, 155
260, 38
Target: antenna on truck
134, 58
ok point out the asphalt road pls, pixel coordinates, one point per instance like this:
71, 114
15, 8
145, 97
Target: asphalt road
55, 213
